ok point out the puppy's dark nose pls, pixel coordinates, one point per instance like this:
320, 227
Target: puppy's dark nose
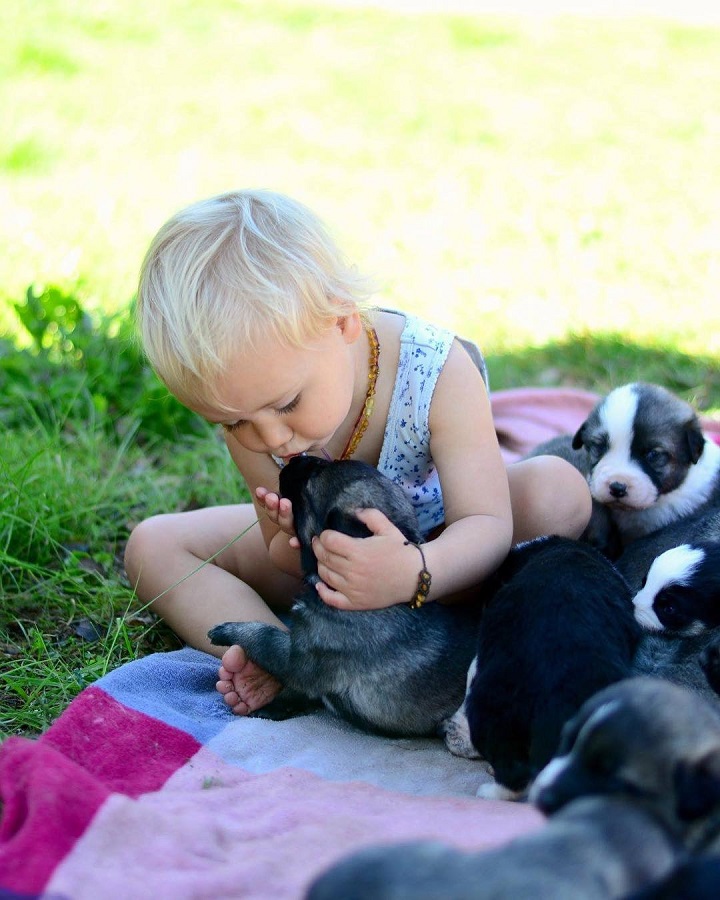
617, 489
547, 801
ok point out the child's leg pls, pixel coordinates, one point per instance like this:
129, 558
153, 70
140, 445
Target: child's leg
164, 550
548, 496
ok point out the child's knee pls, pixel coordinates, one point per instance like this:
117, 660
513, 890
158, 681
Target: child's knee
549, 496
145, 547
573, 496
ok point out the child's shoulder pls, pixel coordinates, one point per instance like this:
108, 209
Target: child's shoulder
419, 338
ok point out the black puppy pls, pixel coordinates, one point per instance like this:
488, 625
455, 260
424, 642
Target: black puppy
559, 627
397, 671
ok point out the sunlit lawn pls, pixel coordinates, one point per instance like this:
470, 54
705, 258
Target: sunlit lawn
516, 179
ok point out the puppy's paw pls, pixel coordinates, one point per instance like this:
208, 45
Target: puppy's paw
456, 734
494, 791
224, 635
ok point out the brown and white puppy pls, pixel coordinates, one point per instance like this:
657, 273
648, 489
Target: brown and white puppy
648, 460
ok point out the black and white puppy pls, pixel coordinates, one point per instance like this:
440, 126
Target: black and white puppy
558, 628
682, 590
596, 848
635, 561
397, 671
648, 459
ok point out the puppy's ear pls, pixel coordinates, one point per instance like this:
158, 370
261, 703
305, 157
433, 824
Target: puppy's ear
579, 439
697, 786
695, 440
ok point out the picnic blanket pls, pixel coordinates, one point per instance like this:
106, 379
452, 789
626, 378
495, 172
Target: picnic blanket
147, 786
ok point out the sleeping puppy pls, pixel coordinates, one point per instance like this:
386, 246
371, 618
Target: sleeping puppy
595, 848
635, 562
646, 460
397, 671
682, 590
558, 628
643, 739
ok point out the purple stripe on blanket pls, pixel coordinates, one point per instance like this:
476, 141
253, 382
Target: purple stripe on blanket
178, 688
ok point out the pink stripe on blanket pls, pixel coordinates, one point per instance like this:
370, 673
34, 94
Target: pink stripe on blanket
126, 750
216, 831
52, 788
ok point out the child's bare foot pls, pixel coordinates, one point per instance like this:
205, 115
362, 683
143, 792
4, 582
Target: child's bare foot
244, 685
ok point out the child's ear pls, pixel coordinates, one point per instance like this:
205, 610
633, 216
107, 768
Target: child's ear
351, 327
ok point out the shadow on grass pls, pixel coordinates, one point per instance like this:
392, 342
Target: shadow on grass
601, 362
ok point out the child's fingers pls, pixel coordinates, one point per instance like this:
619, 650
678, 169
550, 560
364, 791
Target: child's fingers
332, 597
376, 521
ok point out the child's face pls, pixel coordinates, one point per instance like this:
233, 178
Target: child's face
288, 400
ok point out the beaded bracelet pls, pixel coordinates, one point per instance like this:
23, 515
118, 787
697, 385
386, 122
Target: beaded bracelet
424, 580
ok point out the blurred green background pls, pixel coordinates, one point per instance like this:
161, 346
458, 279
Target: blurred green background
517, 178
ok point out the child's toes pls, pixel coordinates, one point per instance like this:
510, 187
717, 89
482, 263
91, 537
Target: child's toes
233, 661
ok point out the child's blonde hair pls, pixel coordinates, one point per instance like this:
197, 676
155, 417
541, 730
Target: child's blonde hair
225, 273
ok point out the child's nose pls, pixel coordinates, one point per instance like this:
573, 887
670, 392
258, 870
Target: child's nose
273, 434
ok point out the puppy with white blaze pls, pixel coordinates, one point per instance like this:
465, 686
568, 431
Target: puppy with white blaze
648, 460
656, 745
682, 590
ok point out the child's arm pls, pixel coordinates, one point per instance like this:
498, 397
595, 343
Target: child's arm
274, 514
381, 570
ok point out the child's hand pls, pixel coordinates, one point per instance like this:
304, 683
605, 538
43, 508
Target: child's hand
366, 573
279, 510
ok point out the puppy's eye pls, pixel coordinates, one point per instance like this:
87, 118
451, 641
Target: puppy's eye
600, 762
598, 447
657, 457
643, 582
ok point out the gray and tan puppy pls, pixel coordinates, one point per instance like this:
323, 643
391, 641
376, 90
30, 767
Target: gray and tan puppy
397, 671
645, 458
643, 739
596, 848
656, 744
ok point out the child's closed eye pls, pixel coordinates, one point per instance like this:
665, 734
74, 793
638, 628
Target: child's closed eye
289, 407
282, 411
232, 428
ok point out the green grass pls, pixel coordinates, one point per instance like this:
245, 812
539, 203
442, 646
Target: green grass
69, 498
546, 186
